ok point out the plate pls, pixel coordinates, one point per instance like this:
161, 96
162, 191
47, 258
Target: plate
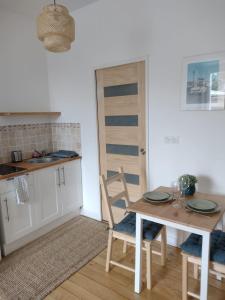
202, 205
156, 196
203, 212
159, 201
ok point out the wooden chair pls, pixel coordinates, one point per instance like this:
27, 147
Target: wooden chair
217, 263
125, 230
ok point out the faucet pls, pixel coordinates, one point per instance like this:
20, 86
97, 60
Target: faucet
36, 153
44, 153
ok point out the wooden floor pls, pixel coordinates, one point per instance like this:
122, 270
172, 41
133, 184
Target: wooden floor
92, 282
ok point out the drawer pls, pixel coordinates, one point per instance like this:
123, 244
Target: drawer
7, 185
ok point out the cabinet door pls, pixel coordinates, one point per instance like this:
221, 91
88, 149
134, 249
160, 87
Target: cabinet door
71, 186
46, 194
17, 219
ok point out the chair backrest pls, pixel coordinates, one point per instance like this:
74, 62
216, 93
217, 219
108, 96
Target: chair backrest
108, 200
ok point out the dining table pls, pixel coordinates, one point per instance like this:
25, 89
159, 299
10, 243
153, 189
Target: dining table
182, 219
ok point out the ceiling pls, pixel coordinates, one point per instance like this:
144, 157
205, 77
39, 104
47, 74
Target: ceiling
33, 7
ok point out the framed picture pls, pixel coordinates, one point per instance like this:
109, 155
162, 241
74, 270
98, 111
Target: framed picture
203, 86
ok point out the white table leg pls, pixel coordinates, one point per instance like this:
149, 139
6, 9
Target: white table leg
138, 254
205, 266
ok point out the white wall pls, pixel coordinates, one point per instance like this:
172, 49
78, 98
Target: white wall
112, 32
23, 68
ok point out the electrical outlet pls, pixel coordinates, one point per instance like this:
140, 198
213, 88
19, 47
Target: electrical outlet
175, 139
167, 140
172, 140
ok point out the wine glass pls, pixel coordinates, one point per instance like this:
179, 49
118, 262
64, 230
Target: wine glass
176, 194
175, 188
184, 183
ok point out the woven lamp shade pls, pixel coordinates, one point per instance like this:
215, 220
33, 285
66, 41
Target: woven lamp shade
56, 28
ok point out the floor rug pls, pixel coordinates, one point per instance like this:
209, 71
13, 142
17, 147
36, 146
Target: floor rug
38, 268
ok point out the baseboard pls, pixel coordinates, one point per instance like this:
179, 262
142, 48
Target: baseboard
90, 214
176, 237
172, 240
9, 248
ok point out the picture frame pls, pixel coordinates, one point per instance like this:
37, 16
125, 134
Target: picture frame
203, 82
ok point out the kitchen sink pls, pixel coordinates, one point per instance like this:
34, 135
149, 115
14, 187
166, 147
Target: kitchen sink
42, 160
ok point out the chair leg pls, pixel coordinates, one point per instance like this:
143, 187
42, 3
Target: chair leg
185, 277
124, 247
195, 271
109, 251
149, 265
163, 246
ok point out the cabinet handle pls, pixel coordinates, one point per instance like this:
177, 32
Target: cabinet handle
59, 181
64, 178
7, 208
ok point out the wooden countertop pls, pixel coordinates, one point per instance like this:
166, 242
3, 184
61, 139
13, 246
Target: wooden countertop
166, 211
29, 167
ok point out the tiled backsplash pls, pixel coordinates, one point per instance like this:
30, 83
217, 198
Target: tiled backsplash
30, 137
66, 136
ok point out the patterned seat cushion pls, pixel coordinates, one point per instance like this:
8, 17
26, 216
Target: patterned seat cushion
193, 246
128, 226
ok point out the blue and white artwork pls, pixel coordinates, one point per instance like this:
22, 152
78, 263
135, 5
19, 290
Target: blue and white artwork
204, 84
201, 76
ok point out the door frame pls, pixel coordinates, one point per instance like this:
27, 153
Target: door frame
146, 59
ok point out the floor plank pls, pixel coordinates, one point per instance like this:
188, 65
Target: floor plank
75, 289
93, 283
95, 288
62, 294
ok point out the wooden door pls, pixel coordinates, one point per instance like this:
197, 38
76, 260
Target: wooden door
121, 125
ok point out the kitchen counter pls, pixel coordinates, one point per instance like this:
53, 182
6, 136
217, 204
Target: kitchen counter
30, 167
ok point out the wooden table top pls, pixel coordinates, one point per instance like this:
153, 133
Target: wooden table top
180, 215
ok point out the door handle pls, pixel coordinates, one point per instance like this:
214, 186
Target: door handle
7, 209
143, 152
64, 178
59, 180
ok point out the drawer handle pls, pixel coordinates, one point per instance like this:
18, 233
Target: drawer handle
10, 179
7, 209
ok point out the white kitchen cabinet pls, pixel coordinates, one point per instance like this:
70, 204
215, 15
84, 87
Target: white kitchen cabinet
58, 191
17, 219
47, 205
70, 187
55, 197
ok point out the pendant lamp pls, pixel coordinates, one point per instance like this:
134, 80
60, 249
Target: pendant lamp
56, 28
